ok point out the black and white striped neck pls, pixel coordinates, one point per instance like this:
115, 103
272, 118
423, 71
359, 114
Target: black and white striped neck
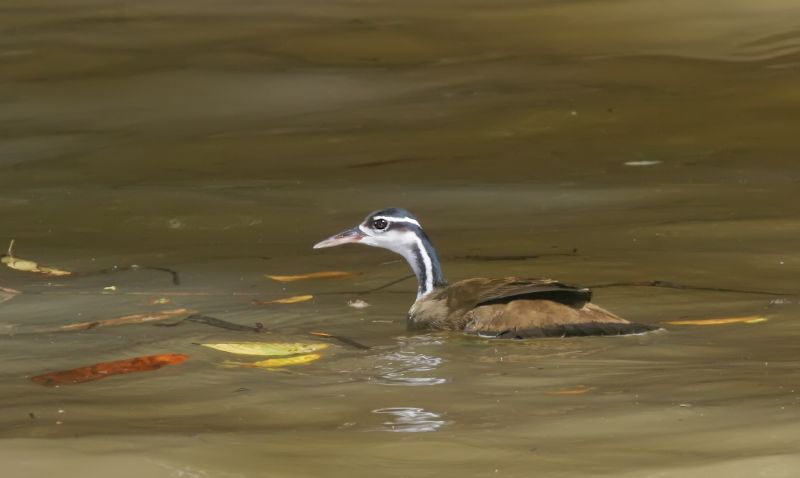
424, 261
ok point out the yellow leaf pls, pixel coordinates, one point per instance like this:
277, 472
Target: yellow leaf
286, 300
283, 362
29, 266
267, 348
52, 271
750, 319
275, 362
313, 275
570, 391
20, 264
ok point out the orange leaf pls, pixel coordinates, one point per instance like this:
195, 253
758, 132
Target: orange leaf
313, 275
107, 369
286, 300
129, 319
570, 391
750, 319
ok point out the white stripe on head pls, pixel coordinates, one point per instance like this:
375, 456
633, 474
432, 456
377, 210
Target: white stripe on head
398, 219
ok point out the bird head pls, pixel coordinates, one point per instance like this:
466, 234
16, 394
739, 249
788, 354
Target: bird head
393, 228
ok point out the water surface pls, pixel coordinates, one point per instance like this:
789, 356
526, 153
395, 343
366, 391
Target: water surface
593, 141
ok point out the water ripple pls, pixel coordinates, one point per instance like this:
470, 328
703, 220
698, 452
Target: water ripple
407, 367
401, 368
771, 47
409, 420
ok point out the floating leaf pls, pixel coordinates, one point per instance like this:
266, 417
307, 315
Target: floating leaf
642, 163
283, 362
278, 362
313, 275
286, 300
29, 266
267, 348
107, 369
570, 391
129, 319
750, 319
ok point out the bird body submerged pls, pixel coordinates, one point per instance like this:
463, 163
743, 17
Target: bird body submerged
510, 307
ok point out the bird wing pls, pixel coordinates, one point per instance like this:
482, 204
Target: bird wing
518, 308
447, 309
500, 291
545, 318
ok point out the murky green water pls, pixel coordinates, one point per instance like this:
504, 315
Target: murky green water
223, 139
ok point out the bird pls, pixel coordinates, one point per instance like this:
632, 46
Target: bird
510, 307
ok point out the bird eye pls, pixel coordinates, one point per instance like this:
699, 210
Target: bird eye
380, 224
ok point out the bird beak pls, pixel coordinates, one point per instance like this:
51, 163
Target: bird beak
344, 237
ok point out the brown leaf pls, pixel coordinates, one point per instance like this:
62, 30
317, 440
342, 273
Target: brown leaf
286, 300
321, 334
129, 319
570, 391
107, 369
313, 275
750, 319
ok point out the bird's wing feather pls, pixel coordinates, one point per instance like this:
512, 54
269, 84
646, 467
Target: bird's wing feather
512, 288
545, 318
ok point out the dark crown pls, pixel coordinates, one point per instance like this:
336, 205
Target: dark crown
393, 212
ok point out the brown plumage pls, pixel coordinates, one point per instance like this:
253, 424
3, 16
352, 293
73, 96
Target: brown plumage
517, 308
500, 308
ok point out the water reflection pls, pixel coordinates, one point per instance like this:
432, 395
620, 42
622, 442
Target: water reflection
407, 367
409, 420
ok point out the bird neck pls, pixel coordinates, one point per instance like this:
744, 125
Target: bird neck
423, 259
